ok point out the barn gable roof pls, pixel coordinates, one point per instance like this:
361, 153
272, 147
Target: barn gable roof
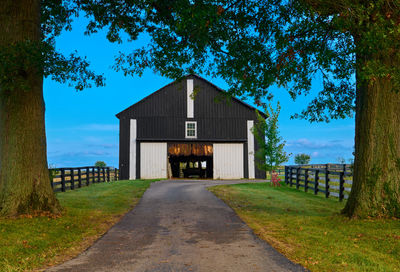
118, 115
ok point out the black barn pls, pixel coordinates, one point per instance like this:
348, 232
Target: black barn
182, 130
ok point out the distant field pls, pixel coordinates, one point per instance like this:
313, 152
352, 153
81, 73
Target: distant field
30, 243
309, 230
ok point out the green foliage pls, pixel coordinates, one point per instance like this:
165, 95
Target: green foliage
252, 45
302, 158
255, 44
100, 164
309, 229
270, 153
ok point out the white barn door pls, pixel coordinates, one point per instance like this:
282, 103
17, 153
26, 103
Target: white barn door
153, 160
228, 161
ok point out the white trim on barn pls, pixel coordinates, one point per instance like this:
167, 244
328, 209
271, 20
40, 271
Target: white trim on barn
190, 102
228, 161
153, 160
132, 149
250, 148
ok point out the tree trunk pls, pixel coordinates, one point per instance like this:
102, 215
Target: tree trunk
24, 175
376, 178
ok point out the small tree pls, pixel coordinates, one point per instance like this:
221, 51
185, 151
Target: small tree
270, 153
100, 164
302, 158
341, 160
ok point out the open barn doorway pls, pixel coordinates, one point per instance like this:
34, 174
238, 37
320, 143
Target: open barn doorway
190, 160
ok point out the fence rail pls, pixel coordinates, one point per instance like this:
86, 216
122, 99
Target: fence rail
63, 179
331, 181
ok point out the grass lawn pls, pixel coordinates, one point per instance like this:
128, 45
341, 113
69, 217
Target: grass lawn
32, 243
309, 229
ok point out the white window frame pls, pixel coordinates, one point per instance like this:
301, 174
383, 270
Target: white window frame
195, 129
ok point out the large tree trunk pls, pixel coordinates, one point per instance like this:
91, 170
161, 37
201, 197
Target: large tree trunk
376, 179
24, 175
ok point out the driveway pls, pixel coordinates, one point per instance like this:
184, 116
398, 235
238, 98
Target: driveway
180, 226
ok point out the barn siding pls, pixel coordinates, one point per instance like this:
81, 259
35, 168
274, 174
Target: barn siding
209, 103
151, 128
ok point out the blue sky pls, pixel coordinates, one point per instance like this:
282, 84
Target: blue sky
82, 127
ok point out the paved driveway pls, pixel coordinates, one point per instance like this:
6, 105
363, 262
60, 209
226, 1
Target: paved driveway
180, 226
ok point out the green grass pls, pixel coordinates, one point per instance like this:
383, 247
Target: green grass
32, 243
309, 229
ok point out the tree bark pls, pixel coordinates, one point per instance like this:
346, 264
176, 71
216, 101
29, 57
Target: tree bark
376, 178
24, 176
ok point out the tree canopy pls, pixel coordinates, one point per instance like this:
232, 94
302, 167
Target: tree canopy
302, 158
252, 45
100, 164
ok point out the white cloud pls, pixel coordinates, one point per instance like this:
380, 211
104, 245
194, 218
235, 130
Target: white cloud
315, 154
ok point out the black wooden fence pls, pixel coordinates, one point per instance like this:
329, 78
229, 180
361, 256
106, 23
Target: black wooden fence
329, 179
63, 179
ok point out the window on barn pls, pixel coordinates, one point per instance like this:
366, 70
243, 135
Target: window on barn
191, 130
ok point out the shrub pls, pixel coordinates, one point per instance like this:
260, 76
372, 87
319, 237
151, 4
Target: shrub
100, 164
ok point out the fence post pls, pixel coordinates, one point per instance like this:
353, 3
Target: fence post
286, 175
306, 180
316, 181
79, 178
297, 177
291, 177
87, 176
95, 176
327, 183
108, 174
72, 180
62, 180
98, 174
341, 186
93, 173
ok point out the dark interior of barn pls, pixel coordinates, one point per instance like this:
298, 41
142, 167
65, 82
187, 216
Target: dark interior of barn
191, 166
190, 160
